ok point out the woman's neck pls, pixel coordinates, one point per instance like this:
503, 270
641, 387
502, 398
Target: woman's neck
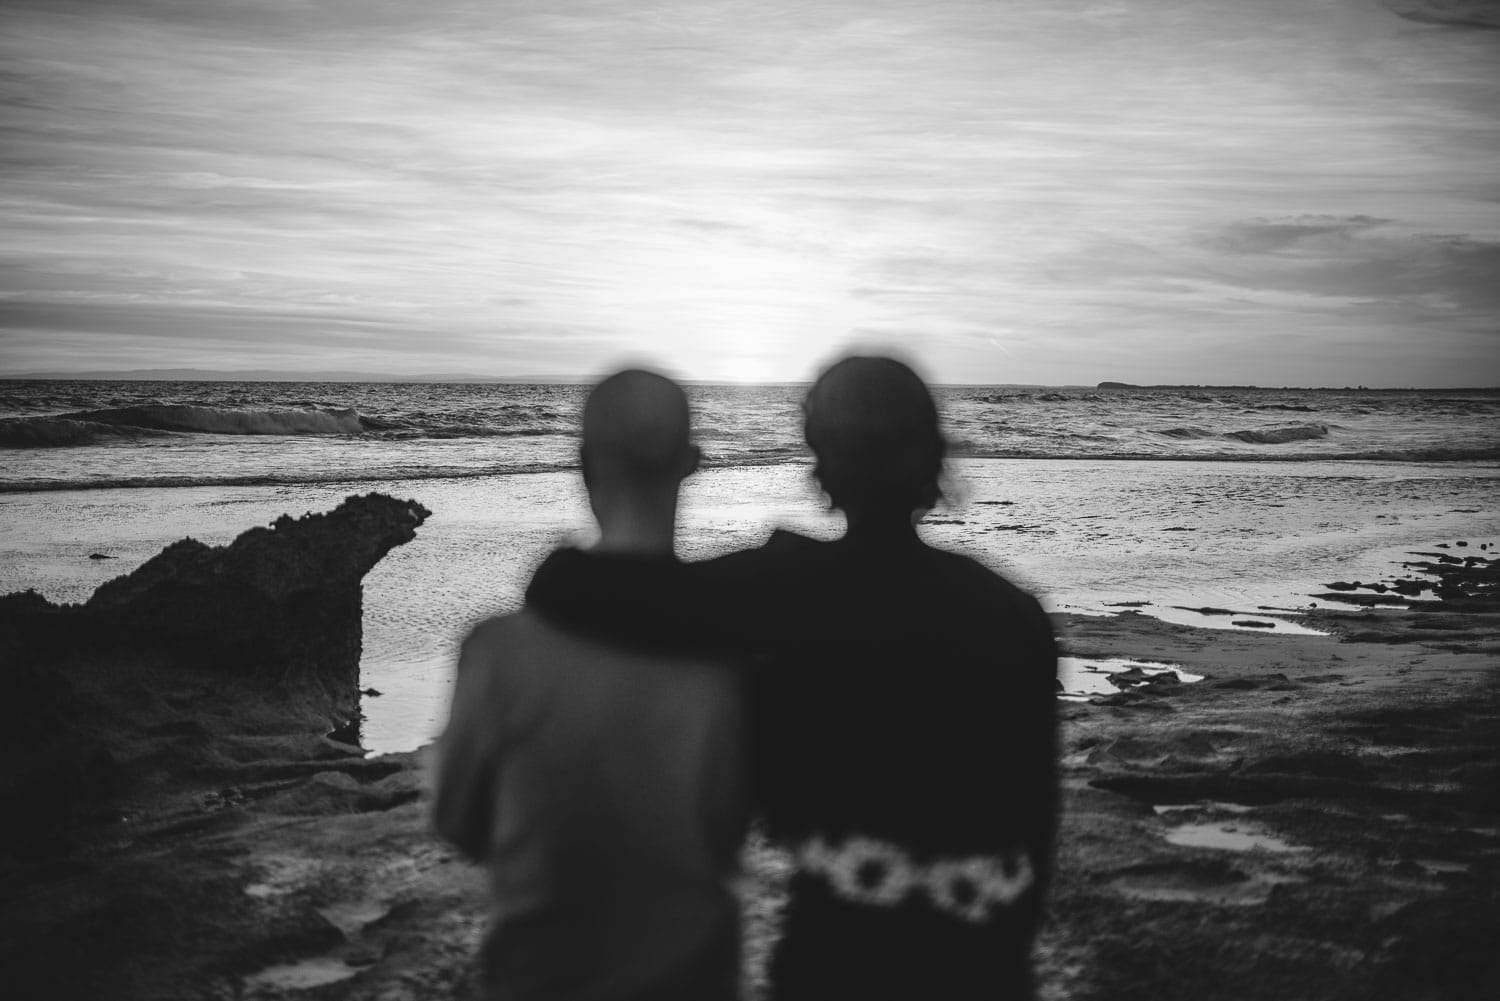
883, 526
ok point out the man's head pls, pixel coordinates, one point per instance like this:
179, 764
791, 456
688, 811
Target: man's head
873, 427
635, 428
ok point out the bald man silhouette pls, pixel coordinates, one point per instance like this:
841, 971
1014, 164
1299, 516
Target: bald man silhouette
602, 784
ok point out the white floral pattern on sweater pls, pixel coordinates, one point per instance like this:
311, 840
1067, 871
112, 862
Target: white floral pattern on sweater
869, 871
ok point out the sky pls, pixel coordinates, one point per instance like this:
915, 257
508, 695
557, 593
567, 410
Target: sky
1285, 192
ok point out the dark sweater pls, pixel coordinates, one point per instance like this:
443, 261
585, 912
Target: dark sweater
900, 694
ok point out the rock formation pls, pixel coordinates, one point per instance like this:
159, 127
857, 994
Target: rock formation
281, 603
198, 664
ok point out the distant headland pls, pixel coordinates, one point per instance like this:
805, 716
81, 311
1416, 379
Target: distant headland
1342, 389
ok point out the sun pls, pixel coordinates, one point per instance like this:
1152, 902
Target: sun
746, 369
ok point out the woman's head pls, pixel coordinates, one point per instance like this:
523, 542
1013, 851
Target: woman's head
873, 428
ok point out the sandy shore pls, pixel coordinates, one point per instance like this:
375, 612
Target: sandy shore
1318, 818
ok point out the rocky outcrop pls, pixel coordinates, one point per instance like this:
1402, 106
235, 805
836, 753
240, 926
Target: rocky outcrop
200, 666
282, 604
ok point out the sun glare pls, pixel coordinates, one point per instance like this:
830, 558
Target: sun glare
732, 307
747, 369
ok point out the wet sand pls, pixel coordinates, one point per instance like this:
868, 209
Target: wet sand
1318, 818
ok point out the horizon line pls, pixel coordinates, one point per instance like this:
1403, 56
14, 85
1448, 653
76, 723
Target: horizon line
441, 378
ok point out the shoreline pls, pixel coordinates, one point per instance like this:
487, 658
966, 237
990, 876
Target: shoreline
1081, 540
1318, 818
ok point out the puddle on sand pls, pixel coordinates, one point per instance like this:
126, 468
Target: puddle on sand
1206, 804
1229, 836
1278, 621
307, 974
1084, 677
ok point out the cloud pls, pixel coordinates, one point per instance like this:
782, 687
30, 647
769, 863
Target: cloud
1261, 236
1362, 258
705, 180
1457, 13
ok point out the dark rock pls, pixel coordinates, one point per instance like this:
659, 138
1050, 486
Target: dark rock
197, 665
45, 790
101, 556
1126, 679
1252, 624
282, 603
1325, 764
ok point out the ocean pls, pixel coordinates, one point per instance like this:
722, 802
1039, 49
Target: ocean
1163, 500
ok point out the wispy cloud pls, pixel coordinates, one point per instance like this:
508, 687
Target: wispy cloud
1018, 192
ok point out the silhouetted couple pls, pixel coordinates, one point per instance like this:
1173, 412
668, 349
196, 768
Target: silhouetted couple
886, 708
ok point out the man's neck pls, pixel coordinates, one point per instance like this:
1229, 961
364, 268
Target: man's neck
636, 526
634, 544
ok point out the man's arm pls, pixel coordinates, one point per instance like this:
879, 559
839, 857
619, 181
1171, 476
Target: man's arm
727, 605
464, 797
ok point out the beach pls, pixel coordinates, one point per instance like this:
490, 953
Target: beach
1315, 818
303, 304
1278, 739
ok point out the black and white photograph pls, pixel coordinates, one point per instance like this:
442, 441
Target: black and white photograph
689, 500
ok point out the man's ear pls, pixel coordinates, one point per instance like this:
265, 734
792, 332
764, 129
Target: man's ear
692, 458
586, 465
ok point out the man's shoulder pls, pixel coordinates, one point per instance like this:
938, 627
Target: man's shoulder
783, 551
494, 629
499, 637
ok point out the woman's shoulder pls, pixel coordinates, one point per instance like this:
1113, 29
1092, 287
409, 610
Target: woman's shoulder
964, 577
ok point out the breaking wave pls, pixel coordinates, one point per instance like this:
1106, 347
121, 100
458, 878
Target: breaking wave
213, 420
1281, 435
54, 432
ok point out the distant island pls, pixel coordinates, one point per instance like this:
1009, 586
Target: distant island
1343, 389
